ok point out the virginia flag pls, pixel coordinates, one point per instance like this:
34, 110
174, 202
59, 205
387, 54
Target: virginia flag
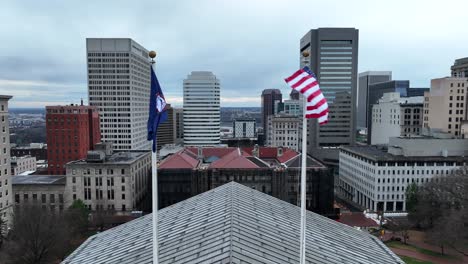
157, 109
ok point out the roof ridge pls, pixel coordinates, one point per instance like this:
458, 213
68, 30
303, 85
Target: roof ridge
230, 224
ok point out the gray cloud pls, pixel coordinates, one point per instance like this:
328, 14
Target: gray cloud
249, 45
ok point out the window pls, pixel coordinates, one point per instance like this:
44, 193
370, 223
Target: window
52, 198
123, 196
123, 208
43, 198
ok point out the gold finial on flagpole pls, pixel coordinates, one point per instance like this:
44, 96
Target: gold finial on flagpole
305, 54
152, 55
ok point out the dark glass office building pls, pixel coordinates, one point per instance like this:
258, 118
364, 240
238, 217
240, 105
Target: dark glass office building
365, 80
334, 60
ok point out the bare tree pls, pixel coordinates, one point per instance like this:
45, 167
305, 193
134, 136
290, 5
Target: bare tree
38, 236
399, 226
441, 208
3, 230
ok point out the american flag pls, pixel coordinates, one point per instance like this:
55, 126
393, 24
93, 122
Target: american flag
305, 82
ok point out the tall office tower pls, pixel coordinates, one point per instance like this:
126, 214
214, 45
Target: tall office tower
460, 68
202, 116
179, 120
6, 202
119, 85
71, 131
334, 60
167, 130
244, 127
270, 98
365, 80
445, 106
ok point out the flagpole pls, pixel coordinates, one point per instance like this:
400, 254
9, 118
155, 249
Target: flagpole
303, 183
303, 177
154, 180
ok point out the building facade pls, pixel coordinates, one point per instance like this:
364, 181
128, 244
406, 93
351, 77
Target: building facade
334, 60
394, 116
71, 131
365, 80
284, 131
293, 107
460, 68
39, 152
119, 85
48, 191
244, 128
6, 201
376, 178
271, 170
109, 181
167, 130
270, 99
202, 116
445, 105
179, 121
23, 164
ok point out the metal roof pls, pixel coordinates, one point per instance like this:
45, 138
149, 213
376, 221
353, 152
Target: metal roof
38, 179
233, 224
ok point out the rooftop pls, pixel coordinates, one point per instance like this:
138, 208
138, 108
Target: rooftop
38, 179
379, 153
126, 157
235, 158
232, 224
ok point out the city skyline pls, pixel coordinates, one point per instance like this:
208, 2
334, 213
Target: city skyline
246, 54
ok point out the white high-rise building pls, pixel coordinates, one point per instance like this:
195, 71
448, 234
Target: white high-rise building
119, 84
201, 109
5, 166
284, 131
395, 116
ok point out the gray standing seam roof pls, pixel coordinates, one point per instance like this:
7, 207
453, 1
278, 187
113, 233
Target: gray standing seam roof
233, 224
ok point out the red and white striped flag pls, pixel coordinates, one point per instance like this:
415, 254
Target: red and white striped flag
305, 82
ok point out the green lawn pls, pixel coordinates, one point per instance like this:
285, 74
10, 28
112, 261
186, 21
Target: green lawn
409, 260
397, 244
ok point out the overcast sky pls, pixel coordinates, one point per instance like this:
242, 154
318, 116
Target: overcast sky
250, 45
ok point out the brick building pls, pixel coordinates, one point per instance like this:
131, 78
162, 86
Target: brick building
71, 131
275, 171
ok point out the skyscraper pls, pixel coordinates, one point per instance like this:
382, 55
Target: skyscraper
6, 201
72, 130
365, 79
460, 68
167, 130
201, 115
119, 85
179, 121
270, 98
334, 60
445, 106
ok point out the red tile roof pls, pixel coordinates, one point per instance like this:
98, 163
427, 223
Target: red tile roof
209, 152
287, 155
228, 157
233, 160
268, 152
357, 220
180, 160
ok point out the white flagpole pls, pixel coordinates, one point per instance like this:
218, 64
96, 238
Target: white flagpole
154, 181
155, 205
303, 183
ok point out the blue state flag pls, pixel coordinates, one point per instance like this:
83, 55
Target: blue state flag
157, 109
